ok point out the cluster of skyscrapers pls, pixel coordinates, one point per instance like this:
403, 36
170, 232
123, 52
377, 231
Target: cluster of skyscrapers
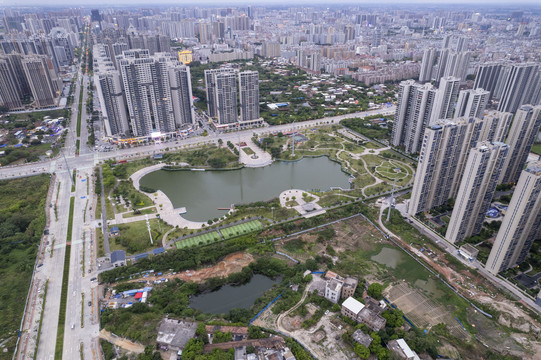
28, 81
465, 151
222, 86
142, 95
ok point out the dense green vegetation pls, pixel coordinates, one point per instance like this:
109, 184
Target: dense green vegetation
22, 220
210, 156
279, 84
19, 155
366, 128
172, 298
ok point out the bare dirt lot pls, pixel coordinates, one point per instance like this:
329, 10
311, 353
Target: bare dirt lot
422, 311
232, 263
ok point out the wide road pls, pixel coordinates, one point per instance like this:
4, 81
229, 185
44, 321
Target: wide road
88, 158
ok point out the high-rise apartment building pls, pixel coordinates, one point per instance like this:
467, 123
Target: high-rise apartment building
412, 114
445, 147
181, 93
226, 98
471, 103
211, 89
521, 223
477, 187
496, 126
309, 59
446, 95
489, 77
520, 85
42, 85
146, 84
427, 65
457, 64
113, 109
271, 49
10, 94
520, 140
249, 95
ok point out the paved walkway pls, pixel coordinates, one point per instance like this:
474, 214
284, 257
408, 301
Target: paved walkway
262, 158
289, 194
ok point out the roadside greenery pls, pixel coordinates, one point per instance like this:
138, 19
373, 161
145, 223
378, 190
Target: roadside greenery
22, 220
64, 292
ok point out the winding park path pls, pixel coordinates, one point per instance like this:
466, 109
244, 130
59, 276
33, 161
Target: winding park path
359, 156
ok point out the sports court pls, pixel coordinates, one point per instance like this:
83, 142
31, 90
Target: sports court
241, 229
203, 239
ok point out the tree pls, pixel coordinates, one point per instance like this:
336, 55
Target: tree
361, 351
394, 317
275, 152
220, 337
149, 354
255, 332
220, 142
193, 348
375, 290
201, 333
311, 264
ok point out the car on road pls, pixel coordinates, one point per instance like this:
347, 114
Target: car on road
90, 303
93, 279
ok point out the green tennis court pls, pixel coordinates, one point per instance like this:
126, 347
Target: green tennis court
240, 229
203, 239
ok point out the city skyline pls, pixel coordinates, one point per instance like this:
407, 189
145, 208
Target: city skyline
319, 3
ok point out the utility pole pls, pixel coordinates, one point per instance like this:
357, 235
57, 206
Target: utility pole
238, 133
392, 198
67, 167
293, 140
149, 232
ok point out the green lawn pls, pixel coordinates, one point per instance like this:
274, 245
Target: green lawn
214, 236
134, 237
536, 149
248, 150
146, 211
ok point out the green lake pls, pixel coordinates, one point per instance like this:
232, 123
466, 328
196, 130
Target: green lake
202, 193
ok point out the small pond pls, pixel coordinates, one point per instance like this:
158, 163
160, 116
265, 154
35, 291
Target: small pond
230, 297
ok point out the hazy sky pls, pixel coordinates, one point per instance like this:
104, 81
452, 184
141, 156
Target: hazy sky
180, 3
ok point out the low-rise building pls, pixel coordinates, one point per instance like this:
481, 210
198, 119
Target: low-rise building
118, 258
362, 338
175, 334
351, 308
349, 287
114, 231
468, 252
333, 290
371, 318
402, 350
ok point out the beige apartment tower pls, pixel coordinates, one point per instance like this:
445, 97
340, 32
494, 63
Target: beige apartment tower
521, 223
477, 187
520, 140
